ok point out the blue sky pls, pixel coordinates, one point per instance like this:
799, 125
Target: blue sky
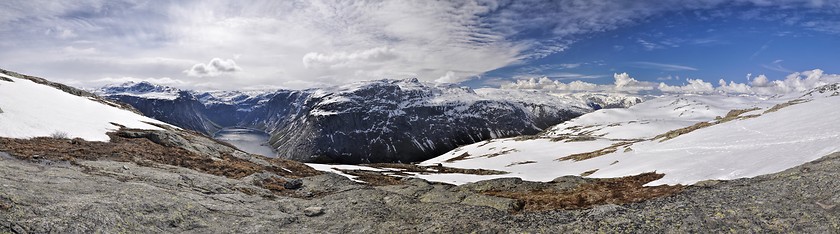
221, 44
676, 46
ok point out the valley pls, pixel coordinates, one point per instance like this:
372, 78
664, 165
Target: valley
246, 139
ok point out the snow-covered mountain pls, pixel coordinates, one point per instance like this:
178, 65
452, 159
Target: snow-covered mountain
688, 138
33, 107
373, 121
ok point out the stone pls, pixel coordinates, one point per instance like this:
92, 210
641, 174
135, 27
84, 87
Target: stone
706, 183
442, 197
313, 211
499, 203
293, 184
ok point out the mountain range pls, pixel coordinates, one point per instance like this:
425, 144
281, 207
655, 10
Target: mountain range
365, 122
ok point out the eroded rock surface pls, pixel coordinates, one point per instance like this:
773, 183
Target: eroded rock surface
39, 196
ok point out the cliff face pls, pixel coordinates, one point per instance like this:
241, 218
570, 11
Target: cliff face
374, 121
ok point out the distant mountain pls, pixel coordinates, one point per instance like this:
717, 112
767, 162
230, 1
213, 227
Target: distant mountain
373, 121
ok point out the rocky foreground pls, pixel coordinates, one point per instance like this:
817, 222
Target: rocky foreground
64, 186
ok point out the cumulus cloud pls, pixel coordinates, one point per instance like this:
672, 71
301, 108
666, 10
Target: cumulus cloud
761, 85
623, 83
450, 77
215, 67
693, 86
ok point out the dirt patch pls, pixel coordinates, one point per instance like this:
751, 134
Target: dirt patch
589, 172
374, 178
520, 163
588, 155
677, 132
526, 137
779, 106
731, 115
581, 138
736, 114
503, 152
597, 192
463, 156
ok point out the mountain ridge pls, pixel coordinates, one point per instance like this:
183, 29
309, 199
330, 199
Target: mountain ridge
364, 122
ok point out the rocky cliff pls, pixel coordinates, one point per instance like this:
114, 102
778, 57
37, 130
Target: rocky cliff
374, 121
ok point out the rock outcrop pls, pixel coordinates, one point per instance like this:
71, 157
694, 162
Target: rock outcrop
103, 196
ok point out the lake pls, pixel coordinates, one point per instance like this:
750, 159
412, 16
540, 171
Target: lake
248, 140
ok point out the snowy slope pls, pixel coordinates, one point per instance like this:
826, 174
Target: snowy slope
762, 144
33, 110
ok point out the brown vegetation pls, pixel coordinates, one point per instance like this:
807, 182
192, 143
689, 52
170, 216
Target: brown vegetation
736, 114
584, 156
374, 178
783, 105
589, 172
520, 163
677, 132
144, 152
622, 190
731, 115
463, 156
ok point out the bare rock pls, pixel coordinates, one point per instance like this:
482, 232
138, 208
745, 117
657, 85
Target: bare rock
499, 203
442, 197
313, 211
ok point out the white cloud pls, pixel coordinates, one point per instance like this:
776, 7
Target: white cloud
305, 43
733, 87
759, 81
450, 77
693, 86
761, 85
215, 67
345, 59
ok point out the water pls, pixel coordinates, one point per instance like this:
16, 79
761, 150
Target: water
248, 140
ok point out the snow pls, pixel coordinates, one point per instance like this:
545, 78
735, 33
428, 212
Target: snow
769, 143
35, 110
657, 116
140, 89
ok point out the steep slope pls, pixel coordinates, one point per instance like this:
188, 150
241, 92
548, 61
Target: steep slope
54, 112
406, 120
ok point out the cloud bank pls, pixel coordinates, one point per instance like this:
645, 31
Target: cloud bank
759, 85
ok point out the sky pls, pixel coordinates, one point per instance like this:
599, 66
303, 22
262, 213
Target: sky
477, 43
